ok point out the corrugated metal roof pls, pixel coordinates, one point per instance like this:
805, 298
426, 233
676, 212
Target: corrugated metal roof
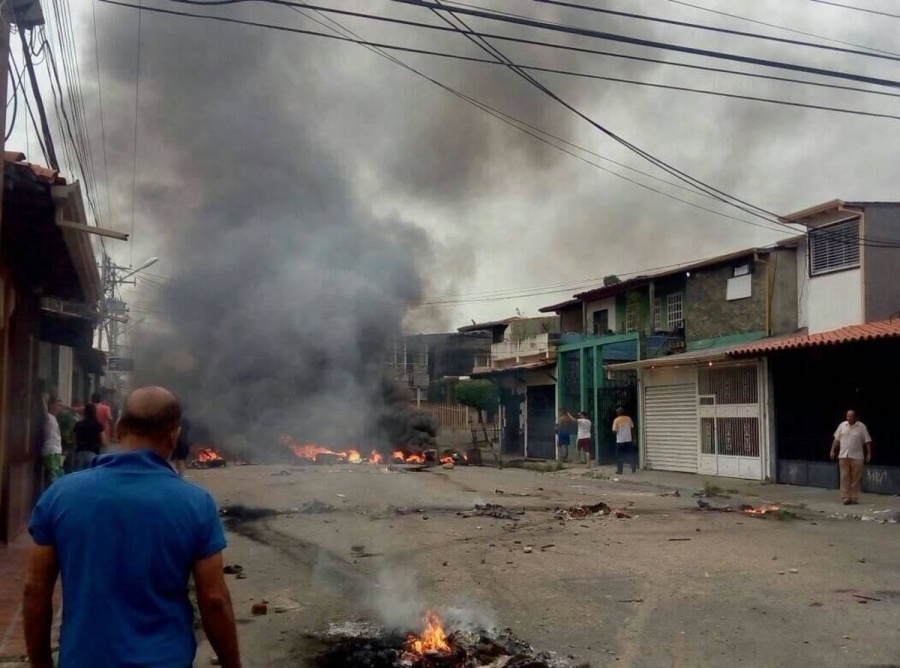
481, 326
553, 308
871, 331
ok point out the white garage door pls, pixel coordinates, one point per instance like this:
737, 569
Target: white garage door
670, 427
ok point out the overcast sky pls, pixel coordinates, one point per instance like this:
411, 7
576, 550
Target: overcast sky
499, 210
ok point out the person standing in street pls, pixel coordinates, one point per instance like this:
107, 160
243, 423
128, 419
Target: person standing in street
623, 428
104, 416
852, 445
51, 450
126, 535
564, 433
88, 439
584, 438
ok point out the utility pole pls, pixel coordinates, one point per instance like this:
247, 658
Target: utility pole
45, 127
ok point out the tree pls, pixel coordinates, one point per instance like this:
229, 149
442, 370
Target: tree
612, 279
480, 395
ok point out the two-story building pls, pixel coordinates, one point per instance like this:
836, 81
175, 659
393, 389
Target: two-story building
845, 355
521, 364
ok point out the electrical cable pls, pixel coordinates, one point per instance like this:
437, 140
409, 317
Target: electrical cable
780, 27
722, 31
857, 9
774, 218
583, 32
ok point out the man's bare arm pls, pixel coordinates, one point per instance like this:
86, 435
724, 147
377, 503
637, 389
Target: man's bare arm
835, 446
37, 604
216, 611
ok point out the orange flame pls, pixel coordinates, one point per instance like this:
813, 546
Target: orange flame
207, 455
433, 638
446, 459
375, 457
311, 450
761, 510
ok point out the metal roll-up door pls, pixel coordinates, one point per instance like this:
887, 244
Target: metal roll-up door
670, 428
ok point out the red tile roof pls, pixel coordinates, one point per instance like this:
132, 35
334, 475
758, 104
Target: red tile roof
38, 172
871, 331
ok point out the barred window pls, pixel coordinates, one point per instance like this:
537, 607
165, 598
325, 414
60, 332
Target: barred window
834, 247
631, 317
675, 310
657, 315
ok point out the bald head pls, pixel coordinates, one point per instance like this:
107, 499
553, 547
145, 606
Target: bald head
151, 417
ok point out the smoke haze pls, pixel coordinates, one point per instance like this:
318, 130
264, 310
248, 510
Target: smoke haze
305, 195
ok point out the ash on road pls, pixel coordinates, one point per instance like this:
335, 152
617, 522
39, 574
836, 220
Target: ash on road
665, 584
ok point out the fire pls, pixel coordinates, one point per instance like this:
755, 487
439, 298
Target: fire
311, 450
375, 457
399, 456
433, 638
446, 459
353, 457
207, 455
760, 510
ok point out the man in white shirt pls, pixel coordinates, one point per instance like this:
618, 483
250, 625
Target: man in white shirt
850, 439
51, 452
623, 427
584, 437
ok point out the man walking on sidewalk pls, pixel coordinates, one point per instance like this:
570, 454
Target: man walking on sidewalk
849, 440
126, 535
623, 427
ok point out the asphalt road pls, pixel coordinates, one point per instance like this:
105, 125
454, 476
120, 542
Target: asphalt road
668, 586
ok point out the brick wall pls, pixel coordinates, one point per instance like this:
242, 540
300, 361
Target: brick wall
708, 315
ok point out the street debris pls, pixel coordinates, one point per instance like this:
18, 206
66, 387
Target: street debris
282, 472
776, 512
313, 507
494, 510
631, 600
433, 647
865, 598
528, 549
259, 609
207, 458
862, 560
240, 513
233, 569
580, 512
675, 493
793, 570
673, 540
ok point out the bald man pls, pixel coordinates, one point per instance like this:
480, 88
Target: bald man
126, 535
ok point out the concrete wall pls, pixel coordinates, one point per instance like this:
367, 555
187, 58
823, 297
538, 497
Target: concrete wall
707, 314
880, 284
610, 304
834, 300
802, 286
571, 320
783, 273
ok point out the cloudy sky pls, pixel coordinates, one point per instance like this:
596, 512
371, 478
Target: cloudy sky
484, 210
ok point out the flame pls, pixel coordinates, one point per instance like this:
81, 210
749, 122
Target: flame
433, 638
446, 459
311, 450
207, 455
761, 510
399, 456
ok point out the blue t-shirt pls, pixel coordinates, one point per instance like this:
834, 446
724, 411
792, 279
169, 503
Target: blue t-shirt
127, 533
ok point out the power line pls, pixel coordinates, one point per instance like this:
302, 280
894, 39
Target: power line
583, 32
723, 31
857, 9
781, 27
511, 120
47, 144
100, 100
137, 97
701, 189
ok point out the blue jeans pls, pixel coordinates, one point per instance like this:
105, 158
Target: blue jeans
626, 450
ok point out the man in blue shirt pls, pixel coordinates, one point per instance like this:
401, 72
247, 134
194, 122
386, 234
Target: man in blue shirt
126, 535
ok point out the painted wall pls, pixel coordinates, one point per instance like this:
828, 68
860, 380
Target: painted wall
882, 289
572, 320
708, 315
783, 285
834, 300
802, 286
610, 304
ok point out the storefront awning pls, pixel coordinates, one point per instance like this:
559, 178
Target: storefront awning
695, 357
66, 329
93, 360
517, 369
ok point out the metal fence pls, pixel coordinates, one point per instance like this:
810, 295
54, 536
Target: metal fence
452, 416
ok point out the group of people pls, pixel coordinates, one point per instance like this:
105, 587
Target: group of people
126, 536
72, 437
622, 427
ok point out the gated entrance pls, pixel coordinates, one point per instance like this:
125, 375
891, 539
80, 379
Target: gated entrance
729, 411
613, 394
541, 421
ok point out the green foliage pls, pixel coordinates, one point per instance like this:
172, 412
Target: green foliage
612, 279
478, 394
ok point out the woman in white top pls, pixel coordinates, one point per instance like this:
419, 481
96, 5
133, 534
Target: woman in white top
584, 437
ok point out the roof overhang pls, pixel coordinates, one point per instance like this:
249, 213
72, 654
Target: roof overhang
70, 209
66, 329
93, 360
692, 358
515, 370
872, 331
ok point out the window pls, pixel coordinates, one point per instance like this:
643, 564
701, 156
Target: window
657, 315
631, 317
601, 321
834, 247
675, 310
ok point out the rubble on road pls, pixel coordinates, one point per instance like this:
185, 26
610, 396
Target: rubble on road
762, 511
494, 510
580, 512
314, 507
